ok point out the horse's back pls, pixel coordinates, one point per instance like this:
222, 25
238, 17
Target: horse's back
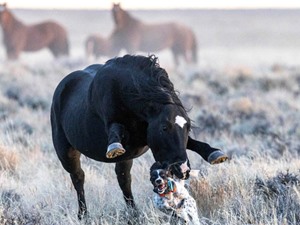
76, 83
73, 89
93, 69
47, 34
67, 90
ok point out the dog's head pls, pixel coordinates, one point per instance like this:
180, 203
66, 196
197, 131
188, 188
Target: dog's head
159, 174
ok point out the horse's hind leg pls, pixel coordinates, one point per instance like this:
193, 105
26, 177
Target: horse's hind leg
59, 48
124, 178
71, 163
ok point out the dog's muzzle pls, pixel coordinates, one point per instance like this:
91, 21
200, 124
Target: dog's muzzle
160, 186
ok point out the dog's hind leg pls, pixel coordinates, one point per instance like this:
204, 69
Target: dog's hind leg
122, 170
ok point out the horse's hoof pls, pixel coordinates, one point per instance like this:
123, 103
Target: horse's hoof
114, 150
217, 157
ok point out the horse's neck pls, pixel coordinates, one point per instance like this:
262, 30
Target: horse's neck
13, 24
130, 20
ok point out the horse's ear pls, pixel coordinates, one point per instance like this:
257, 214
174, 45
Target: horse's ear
3, 5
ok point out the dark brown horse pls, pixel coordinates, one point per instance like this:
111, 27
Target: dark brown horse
133, 35
18, 37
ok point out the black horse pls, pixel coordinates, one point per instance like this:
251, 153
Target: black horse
114, 113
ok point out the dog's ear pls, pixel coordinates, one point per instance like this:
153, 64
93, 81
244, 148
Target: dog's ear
165, 166
155, 166
169, 173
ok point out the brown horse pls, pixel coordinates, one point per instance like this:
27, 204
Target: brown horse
97, 46
18, 37
134, 35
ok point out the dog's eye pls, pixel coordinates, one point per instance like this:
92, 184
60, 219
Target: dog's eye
163, 176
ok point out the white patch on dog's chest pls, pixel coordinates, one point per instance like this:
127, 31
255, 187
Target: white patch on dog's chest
180, 121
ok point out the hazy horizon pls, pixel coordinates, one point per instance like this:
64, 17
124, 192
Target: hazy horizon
156, 4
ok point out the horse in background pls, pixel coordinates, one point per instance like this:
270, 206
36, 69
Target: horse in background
18, 37
133, 35
96, 45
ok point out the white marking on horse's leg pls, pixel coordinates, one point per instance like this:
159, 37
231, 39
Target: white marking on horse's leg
179, 120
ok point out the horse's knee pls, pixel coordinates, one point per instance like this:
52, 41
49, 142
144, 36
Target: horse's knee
115, 132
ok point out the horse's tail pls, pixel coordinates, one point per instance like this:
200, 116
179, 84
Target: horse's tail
194, 49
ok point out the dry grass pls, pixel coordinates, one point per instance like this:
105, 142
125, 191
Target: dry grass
9, 159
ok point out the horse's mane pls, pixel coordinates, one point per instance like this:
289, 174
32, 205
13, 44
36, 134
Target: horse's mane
151, 82
128, 18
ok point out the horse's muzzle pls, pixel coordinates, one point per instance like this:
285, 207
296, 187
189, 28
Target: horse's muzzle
181, 170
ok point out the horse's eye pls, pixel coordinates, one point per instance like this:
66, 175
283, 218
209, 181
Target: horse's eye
164, 127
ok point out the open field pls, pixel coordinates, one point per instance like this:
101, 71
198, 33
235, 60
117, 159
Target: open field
243, 96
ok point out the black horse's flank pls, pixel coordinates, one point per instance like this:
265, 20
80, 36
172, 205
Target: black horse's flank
128, 102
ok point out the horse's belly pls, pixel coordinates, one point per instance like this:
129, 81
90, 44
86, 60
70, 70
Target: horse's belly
90, 138
156, 38
86, 135
130, 153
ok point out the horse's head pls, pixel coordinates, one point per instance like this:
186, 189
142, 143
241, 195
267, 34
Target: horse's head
119, 15
167, 135
3, 13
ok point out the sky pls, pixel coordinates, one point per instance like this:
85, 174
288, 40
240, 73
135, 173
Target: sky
153, 4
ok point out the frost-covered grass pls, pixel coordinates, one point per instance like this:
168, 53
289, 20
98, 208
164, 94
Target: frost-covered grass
253, 117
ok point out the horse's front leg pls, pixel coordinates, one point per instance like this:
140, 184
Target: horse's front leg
115, 136
211, 155
122, 170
